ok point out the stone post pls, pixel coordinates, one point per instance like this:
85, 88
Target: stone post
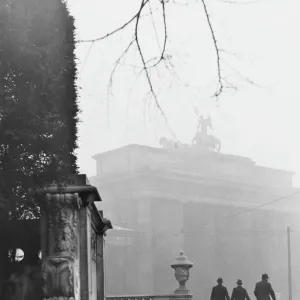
60, 234
60, 253
182, 266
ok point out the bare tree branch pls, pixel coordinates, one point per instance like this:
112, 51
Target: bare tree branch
153, 24
146, 69
235, 55
116, 65
86, 57
163, 58
220, 87
117, 29
165, 35
244, 78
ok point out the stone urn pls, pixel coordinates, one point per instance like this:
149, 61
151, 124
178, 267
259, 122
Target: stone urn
182, 266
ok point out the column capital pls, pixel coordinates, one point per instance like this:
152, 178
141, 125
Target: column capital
71, 184
56, 202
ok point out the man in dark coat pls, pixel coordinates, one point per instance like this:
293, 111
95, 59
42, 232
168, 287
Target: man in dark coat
263, 289
219, 292
239, 293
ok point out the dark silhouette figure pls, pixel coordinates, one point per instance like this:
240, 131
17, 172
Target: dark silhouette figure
219, 292
239, 293
263, 289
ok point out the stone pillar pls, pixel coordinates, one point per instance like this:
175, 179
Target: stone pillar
72, 232
60, 245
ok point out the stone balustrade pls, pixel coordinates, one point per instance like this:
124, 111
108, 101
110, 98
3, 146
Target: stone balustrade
151, 297
182, 266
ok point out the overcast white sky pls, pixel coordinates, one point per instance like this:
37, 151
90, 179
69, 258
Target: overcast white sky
261, 122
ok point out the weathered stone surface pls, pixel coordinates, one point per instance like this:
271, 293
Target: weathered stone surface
182, 272
70, 228
59, 277
60, 266
63, 223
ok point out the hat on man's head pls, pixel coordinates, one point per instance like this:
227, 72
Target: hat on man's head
220, 279
264, 276
239, 281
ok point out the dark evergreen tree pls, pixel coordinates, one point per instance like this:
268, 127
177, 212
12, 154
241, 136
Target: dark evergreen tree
38, 100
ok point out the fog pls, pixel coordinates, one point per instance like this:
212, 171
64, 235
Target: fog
229, 210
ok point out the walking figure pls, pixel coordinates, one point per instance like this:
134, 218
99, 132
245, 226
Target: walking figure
263, 289
239, 293
219, 292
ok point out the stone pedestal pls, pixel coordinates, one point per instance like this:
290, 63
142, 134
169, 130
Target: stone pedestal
60, 251
72, 231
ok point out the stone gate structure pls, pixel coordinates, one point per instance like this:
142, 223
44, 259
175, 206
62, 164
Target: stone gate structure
179, 198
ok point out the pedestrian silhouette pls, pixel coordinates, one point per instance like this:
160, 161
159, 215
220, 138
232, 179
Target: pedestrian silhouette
239, 293
219, 292
263, 289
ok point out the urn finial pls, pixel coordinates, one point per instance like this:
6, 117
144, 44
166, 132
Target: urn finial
182, 266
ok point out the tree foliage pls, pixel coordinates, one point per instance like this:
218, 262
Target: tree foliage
38, 99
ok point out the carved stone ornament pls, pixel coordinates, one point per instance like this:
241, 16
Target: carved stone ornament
63, 223
93, 245
60, 278
182, 272
182, 275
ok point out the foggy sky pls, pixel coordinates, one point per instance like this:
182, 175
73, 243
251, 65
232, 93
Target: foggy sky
260, 122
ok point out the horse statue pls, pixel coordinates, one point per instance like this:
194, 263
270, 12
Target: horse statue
169, 144
166, 143
204, 141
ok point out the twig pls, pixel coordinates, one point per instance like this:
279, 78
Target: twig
250, 81
165, 35
143, 60
233, 54
144, 2
116, 65
86, 58
145, 69
153, 24
221, 87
